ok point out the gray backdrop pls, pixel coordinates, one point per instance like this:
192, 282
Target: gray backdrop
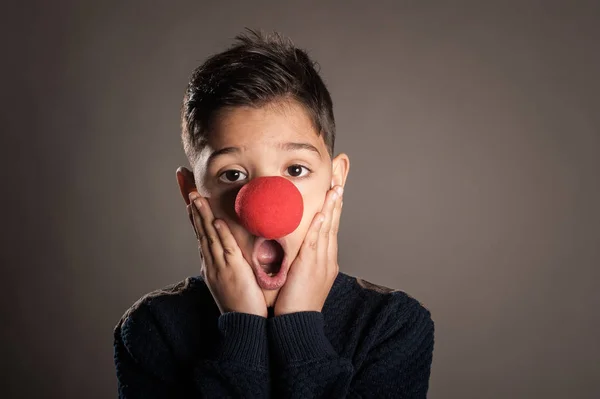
473, 131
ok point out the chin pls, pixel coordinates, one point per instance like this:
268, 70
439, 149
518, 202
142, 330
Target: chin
270, 297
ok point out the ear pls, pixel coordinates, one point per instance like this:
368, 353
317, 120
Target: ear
185, 180
340, 169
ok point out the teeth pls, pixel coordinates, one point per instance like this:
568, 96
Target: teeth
270, 274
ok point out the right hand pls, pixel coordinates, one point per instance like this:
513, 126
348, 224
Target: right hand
228, 275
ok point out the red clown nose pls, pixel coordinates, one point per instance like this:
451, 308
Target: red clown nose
269, 207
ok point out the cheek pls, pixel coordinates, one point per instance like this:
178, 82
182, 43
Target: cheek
222, 203
313, 203
223, 208
313, 196
242, 237
311, 207
310, 210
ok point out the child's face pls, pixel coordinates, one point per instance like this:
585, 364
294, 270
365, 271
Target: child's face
258, 143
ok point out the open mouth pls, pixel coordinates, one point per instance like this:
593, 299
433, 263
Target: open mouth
269, 263
269, 255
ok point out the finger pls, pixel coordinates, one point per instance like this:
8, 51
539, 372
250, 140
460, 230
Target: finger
190, 211
327, 210
308, 251
205, 253
328, 206
333, 231
188, 208
231, 250
213, 243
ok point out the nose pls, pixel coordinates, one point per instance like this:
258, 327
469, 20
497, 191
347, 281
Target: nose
269, 206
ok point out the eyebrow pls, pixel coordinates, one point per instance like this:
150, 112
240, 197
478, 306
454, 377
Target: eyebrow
222, 151
299, 146
282, 146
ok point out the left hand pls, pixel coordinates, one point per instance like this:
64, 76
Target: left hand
313, 272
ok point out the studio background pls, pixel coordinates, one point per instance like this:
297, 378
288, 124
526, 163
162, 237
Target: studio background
473, 131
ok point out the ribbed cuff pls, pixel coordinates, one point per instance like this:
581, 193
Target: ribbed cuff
243, 338
298, 337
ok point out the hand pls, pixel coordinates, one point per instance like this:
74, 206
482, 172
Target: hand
228, 275
313, 272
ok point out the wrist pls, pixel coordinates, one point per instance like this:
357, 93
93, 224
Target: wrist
299, 336
243, 338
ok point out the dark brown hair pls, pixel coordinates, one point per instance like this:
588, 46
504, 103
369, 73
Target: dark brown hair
257, 70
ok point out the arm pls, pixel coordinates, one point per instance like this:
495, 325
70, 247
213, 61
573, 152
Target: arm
144, 364
309, 367
241, 368
147, 369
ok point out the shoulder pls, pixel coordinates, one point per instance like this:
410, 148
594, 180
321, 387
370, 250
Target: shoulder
171, 294
400, 311
367, 285
398, 299
166, 325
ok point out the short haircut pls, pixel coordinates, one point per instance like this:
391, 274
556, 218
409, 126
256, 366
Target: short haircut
257, 70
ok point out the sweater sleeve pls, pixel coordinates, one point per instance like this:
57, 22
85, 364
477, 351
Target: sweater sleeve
241, 367
146, 368
136, 377
398, 366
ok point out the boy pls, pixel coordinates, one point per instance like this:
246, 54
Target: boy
268, 317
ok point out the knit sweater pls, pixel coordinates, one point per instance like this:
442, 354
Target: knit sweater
368, 341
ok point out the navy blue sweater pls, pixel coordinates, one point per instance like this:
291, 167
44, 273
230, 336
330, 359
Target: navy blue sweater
367, 342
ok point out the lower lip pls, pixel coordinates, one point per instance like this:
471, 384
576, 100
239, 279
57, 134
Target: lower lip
267, 282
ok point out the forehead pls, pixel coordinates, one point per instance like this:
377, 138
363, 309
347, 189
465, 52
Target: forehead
273, 123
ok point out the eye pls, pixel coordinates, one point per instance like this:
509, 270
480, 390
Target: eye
232, 176
296, 170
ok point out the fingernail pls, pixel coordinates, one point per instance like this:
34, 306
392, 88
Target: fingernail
196, 201
193, 195
340, 190
334, 196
